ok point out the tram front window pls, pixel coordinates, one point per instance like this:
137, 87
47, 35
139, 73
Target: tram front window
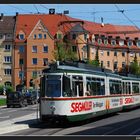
53, 87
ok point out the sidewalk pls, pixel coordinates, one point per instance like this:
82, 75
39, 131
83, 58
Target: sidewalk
17, 124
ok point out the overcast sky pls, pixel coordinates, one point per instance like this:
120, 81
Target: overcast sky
124, 14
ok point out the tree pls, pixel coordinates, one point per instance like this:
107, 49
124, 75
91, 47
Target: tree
95, 62
134, 67
64, 53
59, 53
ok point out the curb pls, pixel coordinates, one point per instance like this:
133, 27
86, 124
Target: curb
3, 106
9, 129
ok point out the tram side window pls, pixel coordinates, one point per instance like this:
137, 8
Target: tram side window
115, 87
126, 88
97, 86
77, 85
66, 87
135, 88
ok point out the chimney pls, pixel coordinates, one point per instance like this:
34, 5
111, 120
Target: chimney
66, 12
16, 13
102, 22
52, 11
1, 17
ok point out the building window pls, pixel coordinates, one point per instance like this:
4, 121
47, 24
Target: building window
45, 36
45, 61
34, 36
1, 36
123, 54
21, 75
74, 36
39, 36
34, 49
74, 48
138, 43
7, 59
102, 63
115, 65
121, 42
113, 42
7, 47
102, 53
34, 61
131, 54
59, 36
108, 53
21, 62
115, 53
123, 64
45, 49
99, 41
7, 71
108, 63
21, 49
85, 36
9, 35
129, 43
21, 36
105, 41
34, 74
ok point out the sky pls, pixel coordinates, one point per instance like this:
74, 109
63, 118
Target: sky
119, 14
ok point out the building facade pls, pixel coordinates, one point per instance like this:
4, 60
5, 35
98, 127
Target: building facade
7, 24
36, 38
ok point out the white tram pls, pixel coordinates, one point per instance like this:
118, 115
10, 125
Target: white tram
76, 93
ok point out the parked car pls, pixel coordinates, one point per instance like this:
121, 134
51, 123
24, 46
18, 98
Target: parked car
32, 97
16, 99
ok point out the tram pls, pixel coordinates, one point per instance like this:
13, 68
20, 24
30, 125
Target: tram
79, 92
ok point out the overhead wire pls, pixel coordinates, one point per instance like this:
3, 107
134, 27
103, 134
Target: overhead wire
122, 11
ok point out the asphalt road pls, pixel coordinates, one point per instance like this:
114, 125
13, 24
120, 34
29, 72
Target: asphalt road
123, 123
12, 113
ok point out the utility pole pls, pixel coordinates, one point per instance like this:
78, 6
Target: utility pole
88, 49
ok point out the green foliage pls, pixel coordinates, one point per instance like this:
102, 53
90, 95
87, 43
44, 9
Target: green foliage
1, 89
2, 102
95, 62
134, 67
62, 53
9, 89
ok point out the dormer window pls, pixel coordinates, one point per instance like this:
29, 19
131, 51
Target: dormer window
1, 36
105, 41
129, 43
131, 54
121, 42
73, 36
85, 36
113, 42
99, 41
138, 43
59, 36
21, 36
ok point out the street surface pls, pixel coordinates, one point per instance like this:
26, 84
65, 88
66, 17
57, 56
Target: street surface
12, 113
122, 123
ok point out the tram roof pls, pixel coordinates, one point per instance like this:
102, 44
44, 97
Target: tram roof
85, 69
131, 77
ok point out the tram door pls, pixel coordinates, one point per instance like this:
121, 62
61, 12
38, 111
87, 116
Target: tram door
77, 86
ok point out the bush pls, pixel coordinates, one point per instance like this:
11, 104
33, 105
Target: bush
9, 89
1, 89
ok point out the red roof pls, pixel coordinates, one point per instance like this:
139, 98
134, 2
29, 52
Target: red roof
27, 22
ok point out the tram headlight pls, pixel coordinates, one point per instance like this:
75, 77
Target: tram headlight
52, 108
